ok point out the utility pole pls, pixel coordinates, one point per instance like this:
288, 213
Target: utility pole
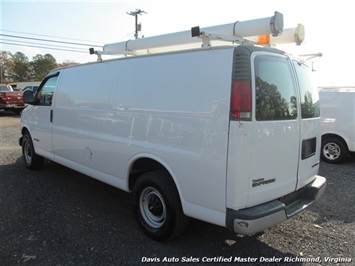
138, 26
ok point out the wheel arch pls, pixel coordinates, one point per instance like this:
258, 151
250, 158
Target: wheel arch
142, 163
24, 130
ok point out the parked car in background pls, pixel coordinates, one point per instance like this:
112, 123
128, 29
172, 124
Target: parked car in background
30, 88
337, 122
20, 86
11, 100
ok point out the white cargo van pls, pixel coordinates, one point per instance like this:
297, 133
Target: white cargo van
229, 135
337, 122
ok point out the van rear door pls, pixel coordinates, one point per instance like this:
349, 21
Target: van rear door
274, 124
264, 138
275, 128
310, 125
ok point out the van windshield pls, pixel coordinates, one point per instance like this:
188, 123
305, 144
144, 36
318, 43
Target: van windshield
309, 92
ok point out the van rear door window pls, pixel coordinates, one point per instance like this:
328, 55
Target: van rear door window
309, 92
275, 90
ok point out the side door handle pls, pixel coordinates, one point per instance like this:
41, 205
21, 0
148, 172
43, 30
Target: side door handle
51, 116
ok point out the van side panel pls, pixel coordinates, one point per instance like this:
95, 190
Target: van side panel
173, 107
177, 107
82, 109
338, 114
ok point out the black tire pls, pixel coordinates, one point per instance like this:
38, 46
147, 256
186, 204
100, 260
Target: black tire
31, 159
157, 207
334, 150
17, 111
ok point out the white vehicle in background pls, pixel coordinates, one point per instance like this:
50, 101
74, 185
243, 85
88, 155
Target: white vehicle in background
226, 134
20, 86
337, 122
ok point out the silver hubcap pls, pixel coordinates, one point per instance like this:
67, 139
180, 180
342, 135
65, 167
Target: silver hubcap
152, 207
27, 152
331, 151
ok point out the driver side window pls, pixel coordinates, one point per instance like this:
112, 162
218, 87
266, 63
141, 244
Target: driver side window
45, 95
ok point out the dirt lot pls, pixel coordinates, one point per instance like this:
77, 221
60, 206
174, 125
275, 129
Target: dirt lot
56, 216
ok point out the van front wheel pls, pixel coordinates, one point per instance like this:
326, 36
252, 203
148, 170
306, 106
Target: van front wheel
31, 159
157, 206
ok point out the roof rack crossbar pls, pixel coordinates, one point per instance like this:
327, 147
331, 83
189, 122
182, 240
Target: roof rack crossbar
207, 37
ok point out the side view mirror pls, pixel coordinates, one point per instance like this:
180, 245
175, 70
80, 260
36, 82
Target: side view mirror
28, 97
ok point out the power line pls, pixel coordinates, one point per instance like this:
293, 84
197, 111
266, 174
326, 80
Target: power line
43, 43
44, 47
57, 37
44, 40
34, 43
43, 35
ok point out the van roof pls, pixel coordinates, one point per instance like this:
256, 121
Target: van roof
250, 47
337, 89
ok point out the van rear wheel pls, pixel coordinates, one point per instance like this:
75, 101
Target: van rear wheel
31, 159
333, 150
157, 206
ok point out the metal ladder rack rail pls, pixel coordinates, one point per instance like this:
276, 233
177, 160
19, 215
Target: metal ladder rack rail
236, 32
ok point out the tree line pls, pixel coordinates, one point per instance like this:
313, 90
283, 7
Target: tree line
18, 68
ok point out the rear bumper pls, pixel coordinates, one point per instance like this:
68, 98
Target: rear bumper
258, 218
12, 106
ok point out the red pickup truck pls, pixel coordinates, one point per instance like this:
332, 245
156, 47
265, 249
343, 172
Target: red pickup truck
11, 100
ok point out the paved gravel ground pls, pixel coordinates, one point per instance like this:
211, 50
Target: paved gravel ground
56, 216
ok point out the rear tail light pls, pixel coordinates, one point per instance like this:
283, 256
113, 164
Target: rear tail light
3, 96
241, 104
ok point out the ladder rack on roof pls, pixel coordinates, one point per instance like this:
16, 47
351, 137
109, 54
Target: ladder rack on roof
237, 32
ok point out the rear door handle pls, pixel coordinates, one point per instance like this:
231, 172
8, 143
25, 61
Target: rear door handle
51, 116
